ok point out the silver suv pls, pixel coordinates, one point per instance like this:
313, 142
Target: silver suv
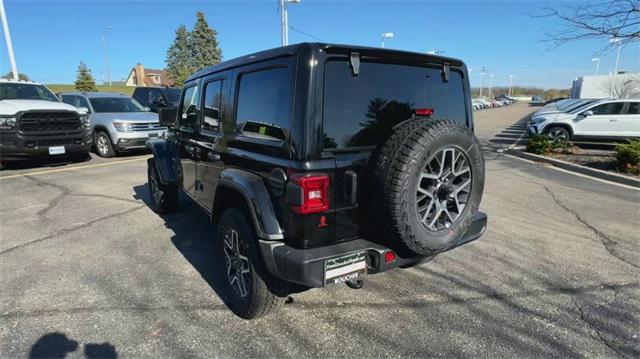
119, 123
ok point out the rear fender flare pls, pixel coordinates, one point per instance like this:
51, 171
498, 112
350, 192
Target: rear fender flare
257, 198
165, 160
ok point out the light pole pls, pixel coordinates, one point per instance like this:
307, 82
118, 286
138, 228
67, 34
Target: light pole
106, 55
482, 73
7, 37
597, 61
616, 40
284, 20
510, 83
386, 35
491, 85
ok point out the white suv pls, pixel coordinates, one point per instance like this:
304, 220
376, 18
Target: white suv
603, 120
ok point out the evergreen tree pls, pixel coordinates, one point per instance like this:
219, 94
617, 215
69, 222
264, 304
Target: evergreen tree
179, 57
204, 44
84, 80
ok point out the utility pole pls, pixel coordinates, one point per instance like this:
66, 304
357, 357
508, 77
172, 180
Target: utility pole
106, 55
491, 86
510, 83
7, 37
482, 73
284, 20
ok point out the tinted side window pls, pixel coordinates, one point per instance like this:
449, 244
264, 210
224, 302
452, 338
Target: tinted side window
212, 106
361, 110
612, 108
189, 109
634, 108
264, 104
155, 96
140, 95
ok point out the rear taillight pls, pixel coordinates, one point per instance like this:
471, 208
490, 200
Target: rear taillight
424, 111
314, 193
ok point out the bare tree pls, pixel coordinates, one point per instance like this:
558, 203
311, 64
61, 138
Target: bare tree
603, 19
622, 86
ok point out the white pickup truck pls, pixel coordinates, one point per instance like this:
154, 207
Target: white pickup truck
34, 123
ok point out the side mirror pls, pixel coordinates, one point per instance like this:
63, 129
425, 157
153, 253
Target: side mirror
83, 110
587, 113
147, 109
168, 116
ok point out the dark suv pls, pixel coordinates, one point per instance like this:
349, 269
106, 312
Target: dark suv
156, 98
319, 164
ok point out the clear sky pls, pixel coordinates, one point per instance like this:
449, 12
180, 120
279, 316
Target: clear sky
51, 37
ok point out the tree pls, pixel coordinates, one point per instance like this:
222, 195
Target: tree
84, 80
179, 57
204, 44
595, 20
622, 86
21, 76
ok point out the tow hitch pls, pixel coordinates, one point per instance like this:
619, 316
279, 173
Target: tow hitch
355, 283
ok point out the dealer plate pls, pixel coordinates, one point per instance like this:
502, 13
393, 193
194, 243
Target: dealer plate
57, 150
343, 268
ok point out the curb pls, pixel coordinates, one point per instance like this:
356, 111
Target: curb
604, 175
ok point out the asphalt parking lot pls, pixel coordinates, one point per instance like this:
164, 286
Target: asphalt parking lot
87, 269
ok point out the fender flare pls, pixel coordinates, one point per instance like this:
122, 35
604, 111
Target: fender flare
257, 198
164, 157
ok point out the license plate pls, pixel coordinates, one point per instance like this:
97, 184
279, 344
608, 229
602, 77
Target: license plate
346, 267
153, 135
56, 150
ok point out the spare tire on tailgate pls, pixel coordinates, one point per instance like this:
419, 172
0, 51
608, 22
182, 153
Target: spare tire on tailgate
429, 178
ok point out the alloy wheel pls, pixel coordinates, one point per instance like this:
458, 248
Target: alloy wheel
238, 268
102, 145
559, 134
444, 188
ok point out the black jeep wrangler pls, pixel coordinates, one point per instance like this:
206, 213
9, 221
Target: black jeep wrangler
320, 164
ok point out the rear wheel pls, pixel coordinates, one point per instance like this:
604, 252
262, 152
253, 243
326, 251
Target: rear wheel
103, 145
237, 260
431, 176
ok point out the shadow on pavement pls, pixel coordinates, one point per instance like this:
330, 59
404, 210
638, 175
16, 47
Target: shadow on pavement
58, 345
193, 236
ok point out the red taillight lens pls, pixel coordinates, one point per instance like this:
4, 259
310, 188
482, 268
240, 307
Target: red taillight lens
424, 111
389, 257
315, 188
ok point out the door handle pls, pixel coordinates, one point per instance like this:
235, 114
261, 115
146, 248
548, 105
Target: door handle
213, 156
612, 120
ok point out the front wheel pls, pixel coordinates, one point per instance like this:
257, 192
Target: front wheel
559, 134
245, 292
103, 145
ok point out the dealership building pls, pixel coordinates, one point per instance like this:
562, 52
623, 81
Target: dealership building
602, 86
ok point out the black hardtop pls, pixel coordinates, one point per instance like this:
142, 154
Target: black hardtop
315, 47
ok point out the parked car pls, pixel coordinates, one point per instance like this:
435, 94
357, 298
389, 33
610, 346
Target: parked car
602, 120
563, 106
304, 178
537, 101
118, 122
35, 124
157, 97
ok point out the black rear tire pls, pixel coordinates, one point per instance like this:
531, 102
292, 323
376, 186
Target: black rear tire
164, 198
426, 215
249, 296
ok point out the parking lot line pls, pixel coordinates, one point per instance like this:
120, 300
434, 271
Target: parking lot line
43, 172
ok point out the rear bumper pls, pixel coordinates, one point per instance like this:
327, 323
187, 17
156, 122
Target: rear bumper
307, 266
16, 146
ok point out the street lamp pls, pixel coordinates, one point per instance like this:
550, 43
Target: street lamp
482, 73
386, 35
491, 85
106, 55
284, 20
510, 83
597, 61
7, 37
618, 41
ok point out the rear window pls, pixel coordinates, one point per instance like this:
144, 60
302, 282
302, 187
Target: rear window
358, 110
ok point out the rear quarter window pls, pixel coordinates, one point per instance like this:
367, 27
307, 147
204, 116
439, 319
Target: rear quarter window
361, 110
